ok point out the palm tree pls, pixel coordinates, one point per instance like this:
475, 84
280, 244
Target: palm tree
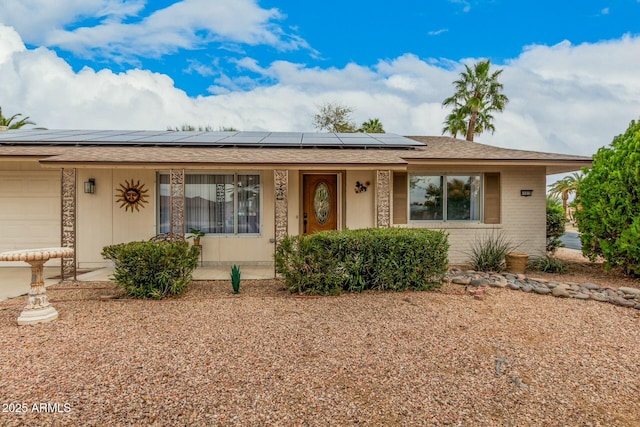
372, 126
478, 94
565, 186
10, 124
456, 123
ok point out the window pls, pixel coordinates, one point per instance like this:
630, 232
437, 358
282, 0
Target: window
216, 203
444, 197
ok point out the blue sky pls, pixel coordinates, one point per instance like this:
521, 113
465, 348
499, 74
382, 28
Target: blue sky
336, 33
570, 68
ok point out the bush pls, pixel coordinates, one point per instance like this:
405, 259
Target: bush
609, 197
556, 221
152, 269
356, 260
548, 264
488, 252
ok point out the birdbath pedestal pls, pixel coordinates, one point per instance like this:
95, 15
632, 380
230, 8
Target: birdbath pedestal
38, 308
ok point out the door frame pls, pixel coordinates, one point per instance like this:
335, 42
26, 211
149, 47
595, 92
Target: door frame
340, 212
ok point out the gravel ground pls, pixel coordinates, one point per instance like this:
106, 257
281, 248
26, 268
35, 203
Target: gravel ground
266, 357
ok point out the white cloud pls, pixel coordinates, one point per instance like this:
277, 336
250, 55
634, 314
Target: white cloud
466, 5
563, 98
36, 19
186, 24
437, 32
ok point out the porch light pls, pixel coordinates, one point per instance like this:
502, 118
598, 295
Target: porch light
90, 186
526, 193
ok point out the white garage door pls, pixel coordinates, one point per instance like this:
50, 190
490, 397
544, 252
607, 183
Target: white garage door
29, 209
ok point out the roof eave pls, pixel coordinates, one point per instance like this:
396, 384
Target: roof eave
52, 163
559, 163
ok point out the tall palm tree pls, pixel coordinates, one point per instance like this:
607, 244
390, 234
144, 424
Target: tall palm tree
11, 124
565, 187
456, 123
372, 126
478, 94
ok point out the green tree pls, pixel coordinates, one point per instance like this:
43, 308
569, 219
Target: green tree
372, 126
13, 122
478, 94
456, 123
332, 117
207, 128
556, 221
565, 187
609, 195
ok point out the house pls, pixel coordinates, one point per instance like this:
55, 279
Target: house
247, 190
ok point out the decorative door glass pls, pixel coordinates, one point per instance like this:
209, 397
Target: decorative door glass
322, 203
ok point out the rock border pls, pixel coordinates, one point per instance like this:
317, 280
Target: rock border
623, 297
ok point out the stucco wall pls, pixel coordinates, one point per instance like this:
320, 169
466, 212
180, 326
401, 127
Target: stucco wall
101, 221
523, 219
360, 207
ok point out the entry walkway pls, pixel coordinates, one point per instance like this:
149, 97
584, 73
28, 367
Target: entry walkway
16, 281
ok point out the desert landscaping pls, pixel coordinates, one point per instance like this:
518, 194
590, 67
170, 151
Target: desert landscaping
268, 357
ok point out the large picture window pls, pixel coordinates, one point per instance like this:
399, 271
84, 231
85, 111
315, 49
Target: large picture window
444, 197
216, 203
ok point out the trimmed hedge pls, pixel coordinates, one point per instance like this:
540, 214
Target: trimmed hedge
152, 269
356, 260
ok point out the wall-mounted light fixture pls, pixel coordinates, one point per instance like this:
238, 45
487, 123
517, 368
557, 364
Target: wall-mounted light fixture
90, 186
526, 193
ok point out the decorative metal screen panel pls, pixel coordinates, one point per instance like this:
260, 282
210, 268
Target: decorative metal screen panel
68, 222
281, 180
176, 203
383, 198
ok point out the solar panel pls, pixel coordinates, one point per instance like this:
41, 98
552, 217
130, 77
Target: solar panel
203, 139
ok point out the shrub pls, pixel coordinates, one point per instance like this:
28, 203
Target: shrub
609, 197
487, 252
356, 260
556, 221
548, 264
152, 269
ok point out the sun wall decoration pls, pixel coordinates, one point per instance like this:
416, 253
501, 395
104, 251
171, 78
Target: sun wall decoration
131, 195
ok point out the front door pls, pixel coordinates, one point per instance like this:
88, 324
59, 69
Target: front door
320, 203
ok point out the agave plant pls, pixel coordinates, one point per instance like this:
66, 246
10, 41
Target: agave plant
235, 279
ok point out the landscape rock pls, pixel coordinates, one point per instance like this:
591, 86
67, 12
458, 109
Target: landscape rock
479, 282
461, 280
630, 291
623, 297
599, 297
560, 292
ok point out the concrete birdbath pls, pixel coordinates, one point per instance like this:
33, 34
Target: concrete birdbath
38, 309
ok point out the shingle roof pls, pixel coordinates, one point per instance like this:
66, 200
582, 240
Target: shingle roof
442, 147
431, 150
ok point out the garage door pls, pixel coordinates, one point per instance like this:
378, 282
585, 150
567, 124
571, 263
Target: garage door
29, 209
